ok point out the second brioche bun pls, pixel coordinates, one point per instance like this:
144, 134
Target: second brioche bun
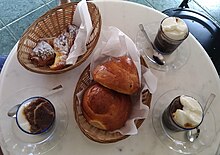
105, 108
119, 74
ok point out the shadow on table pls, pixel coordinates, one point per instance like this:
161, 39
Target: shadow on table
1, 151
2, 61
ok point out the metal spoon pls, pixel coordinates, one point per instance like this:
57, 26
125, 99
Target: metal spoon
158, 58
192, 135
13, 110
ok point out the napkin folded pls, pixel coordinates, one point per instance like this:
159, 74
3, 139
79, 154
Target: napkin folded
82, 19
114, 43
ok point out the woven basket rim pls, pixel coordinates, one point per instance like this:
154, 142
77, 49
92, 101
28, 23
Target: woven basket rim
79, 61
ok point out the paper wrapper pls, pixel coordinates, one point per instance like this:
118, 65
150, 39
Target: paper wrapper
114, 43
82, 19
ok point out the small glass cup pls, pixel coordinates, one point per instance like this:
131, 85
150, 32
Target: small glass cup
164, 43
27, 120
170, 123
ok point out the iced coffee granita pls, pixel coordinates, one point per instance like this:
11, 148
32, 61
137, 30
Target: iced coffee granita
36, 115
183, 113
172, 32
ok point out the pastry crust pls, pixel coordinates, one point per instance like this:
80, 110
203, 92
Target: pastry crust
62, 45
104, 108
53, 51
119, 74
60, 61
42, 55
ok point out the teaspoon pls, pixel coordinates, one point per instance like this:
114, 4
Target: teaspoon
13, 110
192, 135
158, 58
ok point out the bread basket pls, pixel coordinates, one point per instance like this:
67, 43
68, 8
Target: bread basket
88, 130
50, 25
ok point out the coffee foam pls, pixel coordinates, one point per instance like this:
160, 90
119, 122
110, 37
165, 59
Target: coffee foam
174, 28
190, 115
21, 119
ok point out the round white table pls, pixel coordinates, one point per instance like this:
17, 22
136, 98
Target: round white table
197, 75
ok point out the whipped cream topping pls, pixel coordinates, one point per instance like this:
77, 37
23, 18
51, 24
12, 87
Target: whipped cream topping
174, 28
191, 115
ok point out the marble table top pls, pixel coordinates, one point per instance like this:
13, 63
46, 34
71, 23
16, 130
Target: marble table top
197, 75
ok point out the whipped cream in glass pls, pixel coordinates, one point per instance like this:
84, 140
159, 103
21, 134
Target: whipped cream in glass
190, 115
183, 113
172, 32
174, 28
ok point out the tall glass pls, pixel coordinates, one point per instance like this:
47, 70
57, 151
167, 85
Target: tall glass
169, 121
172, 32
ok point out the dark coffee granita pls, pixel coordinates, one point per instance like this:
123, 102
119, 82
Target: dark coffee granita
40, 114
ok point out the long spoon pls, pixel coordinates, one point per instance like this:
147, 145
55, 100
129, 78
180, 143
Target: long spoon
158, 58
13, 110
192, 135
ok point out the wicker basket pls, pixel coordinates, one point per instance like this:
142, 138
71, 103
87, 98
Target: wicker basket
50, 25
94, 133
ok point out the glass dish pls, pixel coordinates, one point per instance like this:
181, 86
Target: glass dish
18, 142
173, 62
177, 140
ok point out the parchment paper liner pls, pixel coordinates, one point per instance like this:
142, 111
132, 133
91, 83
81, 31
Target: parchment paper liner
141, 101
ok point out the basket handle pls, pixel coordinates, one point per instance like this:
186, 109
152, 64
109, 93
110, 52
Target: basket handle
60, 2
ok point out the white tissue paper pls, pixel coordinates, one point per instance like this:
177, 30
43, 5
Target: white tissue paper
114, 43
82, 19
